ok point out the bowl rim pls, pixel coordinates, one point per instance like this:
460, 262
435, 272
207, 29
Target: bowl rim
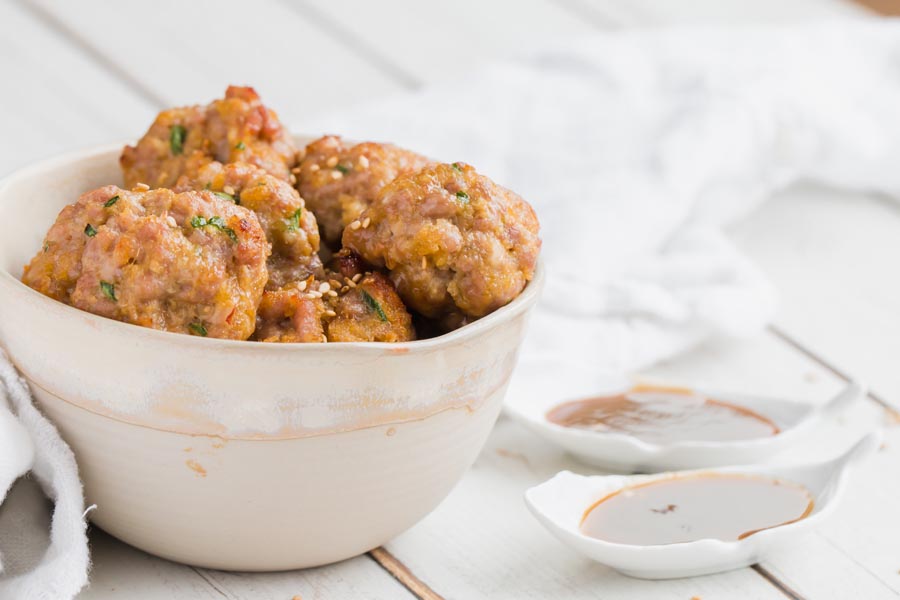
19, 292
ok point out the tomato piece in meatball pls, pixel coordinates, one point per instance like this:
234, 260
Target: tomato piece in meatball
290, 315
188, 263
370, 311
237, 128
453, 240
289, 226
338, 181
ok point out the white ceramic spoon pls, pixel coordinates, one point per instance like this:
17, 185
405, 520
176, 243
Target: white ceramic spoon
623, 453
560, 503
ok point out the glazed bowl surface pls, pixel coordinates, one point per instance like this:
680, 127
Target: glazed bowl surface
242, 455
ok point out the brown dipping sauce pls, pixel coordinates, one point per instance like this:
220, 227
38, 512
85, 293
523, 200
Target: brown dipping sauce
720, 506
664, 415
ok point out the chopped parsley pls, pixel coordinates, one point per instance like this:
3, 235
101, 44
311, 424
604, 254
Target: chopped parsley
240, 145
228, 197
198, 328
373, 305
342, 168
218, 222
177, 133
89, 230
293, 223
463, 196
457, 167
111, 201
109, 290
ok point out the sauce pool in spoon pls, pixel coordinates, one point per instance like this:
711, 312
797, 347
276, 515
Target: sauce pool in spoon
664, 415
688, 508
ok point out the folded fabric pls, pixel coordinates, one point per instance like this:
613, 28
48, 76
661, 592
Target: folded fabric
636, 148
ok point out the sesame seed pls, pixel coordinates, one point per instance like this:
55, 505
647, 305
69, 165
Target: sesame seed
324, 287
336, 174
293, 179
334, 283
302, 286
357, 277
171, 221
351, 283
141, 187
363, 162
314, 168
295, 170
366, 222
310, 296
228, 190
330, 313
332, 293
424, 263
324, 339
344, 289
355, 225
315, 294
331, 162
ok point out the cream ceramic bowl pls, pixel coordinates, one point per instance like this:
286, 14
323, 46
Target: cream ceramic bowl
240, 455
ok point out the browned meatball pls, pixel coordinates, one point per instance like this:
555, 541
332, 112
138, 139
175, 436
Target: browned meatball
290, 315
339, 181
289, 227
189, 263
453, 240
371, 311
238, 128
358, 308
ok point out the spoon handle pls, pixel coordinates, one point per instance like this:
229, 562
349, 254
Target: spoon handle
853, 391
861, 450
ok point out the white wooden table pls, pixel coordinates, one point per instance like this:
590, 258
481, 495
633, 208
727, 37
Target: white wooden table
81, 73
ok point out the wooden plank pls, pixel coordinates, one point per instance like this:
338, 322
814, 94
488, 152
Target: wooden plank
695, 12
55, 98
188, 52
832, 256
482, 541
440, 45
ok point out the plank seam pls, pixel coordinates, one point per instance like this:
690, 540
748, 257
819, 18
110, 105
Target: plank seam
368, 53
208, 580
76, 40
874, 575
802, 349
777, 583
403, 574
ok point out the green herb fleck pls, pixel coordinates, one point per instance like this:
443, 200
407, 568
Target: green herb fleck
111, 201
217, 222
342, 168
240, 145
177, 133
463, 196
109, 290
225, 196
294, 221
89, 230
373, 305
198, 329
46, 247
457, 167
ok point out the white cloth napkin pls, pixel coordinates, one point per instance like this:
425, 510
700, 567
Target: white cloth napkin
28, 442
635, 148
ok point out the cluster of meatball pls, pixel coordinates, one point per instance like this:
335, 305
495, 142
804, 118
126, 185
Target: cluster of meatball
226, 230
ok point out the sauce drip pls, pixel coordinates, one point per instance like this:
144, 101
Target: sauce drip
687, 508
664, 415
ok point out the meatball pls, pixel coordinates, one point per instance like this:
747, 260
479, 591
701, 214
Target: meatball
339, 181
453, 240
189, 263
289, 227
290, 315
238, 128
371, 311
361, 308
